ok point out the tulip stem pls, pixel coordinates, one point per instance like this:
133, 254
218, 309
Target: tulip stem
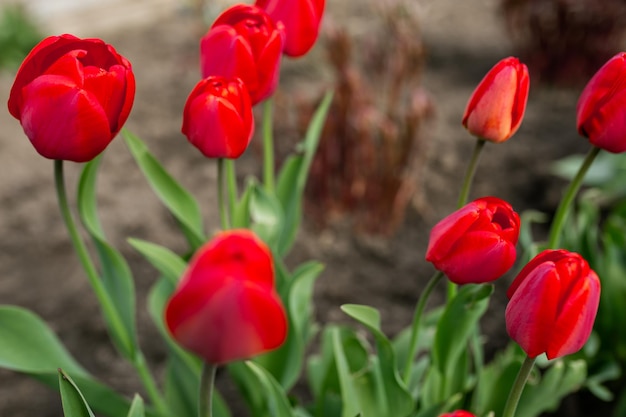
518, 387
563, 210
231, 185
116, 326
268, 146
221, 201
415, 325
207, 385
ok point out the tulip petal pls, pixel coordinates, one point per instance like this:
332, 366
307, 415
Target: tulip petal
532, 311
445, 233
63, 121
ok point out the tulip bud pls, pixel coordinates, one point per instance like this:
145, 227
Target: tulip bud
302, 20
553, 303
600, 114
496, 108
458, 413
244, 42
476, 243
226, 307
72, 96
218, 118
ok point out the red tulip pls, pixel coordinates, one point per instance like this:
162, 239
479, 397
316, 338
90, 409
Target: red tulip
553, 304
244, 42
476, 243
600, 111
226, 307
496, 108
458, 413
72, 96
301, 19
218, 118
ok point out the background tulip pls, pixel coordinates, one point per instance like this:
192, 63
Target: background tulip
226, 307
218, 118
458, 413
476, 243
553, 304
72, 96
302, 20
244, 42
496, 108
601, 114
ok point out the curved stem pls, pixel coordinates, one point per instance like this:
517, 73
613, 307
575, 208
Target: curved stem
563, 209
518, 387
268, 147
469, 174
415, 325
207, 384
221, 201
116, 326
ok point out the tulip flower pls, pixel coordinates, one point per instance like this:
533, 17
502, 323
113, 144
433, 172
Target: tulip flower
244, 42
218, 118
226, 307
496, 108
600, 110
553, 303
476, 243
72, 96
302, 20
458, 413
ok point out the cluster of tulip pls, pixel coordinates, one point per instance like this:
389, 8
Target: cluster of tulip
72, 97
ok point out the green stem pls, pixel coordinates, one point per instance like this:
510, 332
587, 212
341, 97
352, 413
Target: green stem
469, 174
415, 325
465, 191
141, 366
563, 209
268, 147
207, 384
221, 201
116, 326
518, 387
231, 185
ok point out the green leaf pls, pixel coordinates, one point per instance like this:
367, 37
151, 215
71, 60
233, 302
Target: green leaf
351, 406
277, 402
137, 407
169, 264
29, 346
74, 404
241, 212
266, 215
456, 325
115, 272
393, 394
293, 176
286, 362
179, 201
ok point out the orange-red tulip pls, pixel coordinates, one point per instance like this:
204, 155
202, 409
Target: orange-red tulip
497, 106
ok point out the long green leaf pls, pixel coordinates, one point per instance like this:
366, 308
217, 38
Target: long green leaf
115, 272
169, 264
277, 402
137, 407
74, 404
179, 201
29, 346
292, 177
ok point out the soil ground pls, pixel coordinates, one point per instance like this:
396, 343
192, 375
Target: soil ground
39, 270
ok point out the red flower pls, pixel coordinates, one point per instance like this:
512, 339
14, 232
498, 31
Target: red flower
458, 413
553, 304
225, 307
72, 96
244, 42
496, 108
476, 243
218, 118
301, 19
600, 110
